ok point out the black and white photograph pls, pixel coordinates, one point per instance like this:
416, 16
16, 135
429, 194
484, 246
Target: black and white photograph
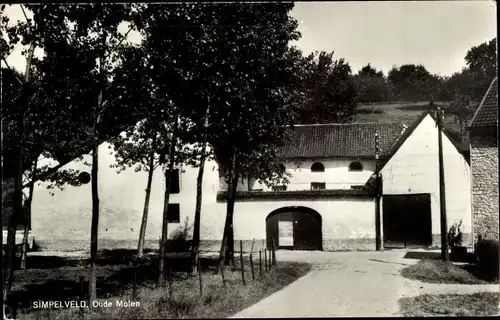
249, 159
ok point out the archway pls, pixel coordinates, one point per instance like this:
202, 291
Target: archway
295, 228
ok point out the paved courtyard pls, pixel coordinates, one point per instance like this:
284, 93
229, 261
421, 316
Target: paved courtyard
349, 284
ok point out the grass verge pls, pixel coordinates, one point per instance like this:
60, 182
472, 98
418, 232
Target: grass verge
437, 271
478, 304
114, 285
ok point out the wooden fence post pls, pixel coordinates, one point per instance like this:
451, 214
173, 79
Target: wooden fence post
251, 267
201, 282
265, 259
274, 253
241, 262
82, 296
170, 282
134, 284
251, 260
221, 268
260, 263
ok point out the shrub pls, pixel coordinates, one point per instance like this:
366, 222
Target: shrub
455, 235
488, 259
179, 241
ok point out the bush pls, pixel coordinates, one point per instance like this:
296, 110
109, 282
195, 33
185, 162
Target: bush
455, 235
487, 255
179, 241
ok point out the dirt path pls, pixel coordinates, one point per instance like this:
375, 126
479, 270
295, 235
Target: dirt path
349, 284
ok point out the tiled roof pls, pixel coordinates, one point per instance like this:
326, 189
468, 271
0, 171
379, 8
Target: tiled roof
342, 140
487, 112
301, 194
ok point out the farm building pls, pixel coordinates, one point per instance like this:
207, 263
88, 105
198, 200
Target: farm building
483, 136
328, 204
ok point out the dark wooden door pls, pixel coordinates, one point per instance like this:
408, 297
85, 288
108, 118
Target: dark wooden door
407, 221
306, 231
272, 231
294, 229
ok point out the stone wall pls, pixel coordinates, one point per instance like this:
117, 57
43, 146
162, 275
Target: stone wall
484, 165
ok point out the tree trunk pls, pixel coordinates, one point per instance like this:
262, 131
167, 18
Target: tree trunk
195, 246
27, 220
142, 232
164, 231
17, 196
230, 231
462, 127
94, 228
197, 215
226, 253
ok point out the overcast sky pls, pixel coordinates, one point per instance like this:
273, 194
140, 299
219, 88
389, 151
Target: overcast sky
436, 34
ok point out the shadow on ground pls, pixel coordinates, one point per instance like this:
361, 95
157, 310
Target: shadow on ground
428, 255
415, 107
369, 111
49, 278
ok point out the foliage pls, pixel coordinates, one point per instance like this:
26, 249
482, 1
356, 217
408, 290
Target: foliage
462, 110
179, 240
460, 83
72, 37
64, 82
233, 63
239, 81
330, 91
412, 83
371, 85
482, 63
133, 148
455, 235
473, 80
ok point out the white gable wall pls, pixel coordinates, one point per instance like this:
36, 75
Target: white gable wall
415, 169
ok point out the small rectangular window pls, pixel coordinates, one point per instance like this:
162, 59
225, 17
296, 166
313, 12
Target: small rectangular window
279, 188
174, 181
173, 214
318, 185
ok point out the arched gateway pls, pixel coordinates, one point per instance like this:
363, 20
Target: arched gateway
296, 228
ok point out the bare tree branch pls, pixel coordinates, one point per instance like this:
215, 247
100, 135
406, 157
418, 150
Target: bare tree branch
119, 43
26, 17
